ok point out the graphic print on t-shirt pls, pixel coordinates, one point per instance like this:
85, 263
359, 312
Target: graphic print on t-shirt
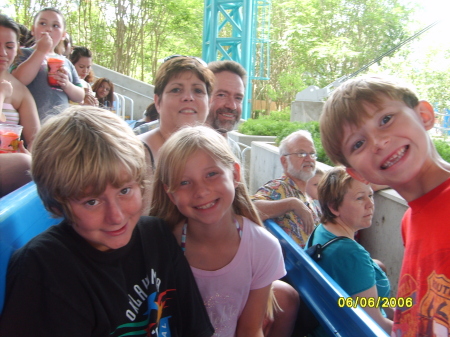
149, 310
434, 308
152, 322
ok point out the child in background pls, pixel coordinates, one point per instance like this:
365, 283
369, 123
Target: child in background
104, 91
311, 188
377, 127
65, 47
32, 66
198, 191
81, 58
104, 270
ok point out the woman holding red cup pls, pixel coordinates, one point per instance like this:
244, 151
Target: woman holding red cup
17, 108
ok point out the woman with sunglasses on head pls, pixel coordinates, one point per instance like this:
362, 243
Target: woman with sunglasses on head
183, 85
182, 88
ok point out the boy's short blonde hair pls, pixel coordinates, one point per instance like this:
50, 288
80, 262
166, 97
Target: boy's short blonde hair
345, 107
79, 152
173, 157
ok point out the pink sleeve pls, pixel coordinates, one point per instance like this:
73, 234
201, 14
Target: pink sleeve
267, 257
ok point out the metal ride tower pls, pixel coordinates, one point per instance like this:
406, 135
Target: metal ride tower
239, 31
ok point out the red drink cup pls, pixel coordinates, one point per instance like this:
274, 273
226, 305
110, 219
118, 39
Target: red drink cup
54, 64
9, 138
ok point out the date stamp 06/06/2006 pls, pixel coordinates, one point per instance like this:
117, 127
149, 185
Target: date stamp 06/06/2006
372, 302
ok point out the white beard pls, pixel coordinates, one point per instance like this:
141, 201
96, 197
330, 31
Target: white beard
298, 174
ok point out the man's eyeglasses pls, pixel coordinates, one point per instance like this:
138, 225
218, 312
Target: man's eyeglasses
198, 59
312, 155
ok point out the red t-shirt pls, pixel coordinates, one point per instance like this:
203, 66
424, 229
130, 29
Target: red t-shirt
425, 275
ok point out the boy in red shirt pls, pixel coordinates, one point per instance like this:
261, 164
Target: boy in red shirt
377, 128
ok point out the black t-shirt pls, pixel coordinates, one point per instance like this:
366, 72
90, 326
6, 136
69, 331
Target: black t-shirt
59, 285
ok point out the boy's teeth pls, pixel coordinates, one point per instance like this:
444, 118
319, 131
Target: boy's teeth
211, 204
395, 158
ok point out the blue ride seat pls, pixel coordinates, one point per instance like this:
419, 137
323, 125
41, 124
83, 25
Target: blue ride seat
22, 217
321, 293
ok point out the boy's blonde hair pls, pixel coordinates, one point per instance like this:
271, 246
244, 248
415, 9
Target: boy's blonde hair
173, 157
345, 107
79, 152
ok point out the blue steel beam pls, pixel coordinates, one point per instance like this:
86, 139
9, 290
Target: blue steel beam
230, 31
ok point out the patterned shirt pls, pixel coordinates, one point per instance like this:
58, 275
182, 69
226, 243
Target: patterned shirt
282, 188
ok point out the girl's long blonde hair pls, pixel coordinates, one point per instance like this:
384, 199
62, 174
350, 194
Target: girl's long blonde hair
173, 156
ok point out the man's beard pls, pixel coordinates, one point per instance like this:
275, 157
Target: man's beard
227, 124
299, 174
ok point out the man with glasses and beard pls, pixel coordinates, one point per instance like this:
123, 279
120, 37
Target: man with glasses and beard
284, 199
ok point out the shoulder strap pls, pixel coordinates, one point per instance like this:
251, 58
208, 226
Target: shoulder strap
333, 240
316, 251
151, 155
311, 237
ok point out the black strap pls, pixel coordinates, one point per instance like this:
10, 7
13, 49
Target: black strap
151, 155
316, 251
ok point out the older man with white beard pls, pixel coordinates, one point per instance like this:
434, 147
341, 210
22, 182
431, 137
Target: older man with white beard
285, 199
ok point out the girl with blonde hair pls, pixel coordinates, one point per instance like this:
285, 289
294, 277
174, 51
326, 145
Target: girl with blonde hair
198, 191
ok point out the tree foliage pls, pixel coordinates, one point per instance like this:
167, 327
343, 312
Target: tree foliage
128, 36
427, 68
315, 42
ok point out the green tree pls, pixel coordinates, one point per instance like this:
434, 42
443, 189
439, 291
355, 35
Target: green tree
427, 69
316, 42
130, 37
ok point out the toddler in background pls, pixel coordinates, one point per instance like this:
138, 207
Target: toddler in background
311, 188
32, 66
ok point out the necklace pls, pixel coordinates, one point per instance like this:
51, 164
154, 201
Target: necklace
346, 231
162, 136
184, 232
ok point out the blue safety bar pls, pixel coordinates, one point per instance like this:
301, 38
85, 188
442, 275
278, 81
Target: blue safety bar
321, 293
22, 216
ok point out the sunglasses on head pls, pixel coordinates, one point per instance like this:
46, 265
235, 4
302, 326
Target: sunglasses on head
199, 60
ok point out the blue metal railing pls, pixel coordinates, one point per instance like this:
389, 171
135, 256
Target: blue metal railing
23, 216
321, 293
